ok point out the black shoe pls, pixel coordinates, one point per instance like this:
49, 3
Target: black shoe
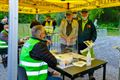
81, 76
92, 78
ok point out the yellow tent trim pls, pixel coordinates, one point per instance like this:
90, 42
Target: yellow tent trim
52, 6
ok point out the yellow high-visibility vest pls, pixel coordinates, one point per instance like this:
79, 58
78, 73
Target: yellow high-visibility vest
49, 28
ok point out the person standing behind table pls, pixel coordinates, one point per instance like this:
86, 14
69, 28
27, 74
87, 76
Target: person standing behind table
86, 32
49, 25
68, 31
3, 21
35, 56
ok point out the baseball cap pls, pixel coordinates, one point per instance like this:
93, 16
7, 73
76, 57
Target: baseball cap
84, 11
68, 13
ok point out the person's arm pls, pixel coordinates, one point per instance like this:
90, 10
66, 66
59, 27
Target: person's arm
41, 52
94, 32
62, 35
74, 32
44, 23
54, 23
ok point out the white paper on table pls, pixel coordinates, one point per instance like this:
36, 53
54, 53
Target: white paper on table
64, 66
76, 55
79, 63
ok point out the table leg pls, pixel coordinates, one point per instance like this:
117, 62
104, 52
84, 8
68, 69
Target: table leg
72, 79
119, 74
104, 72
63, 77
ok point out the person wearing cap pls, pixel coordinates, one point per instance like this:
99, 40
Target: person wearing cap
68, 31
86, 32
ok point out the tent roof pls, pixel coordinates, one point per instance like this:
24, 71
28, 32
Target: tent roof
51, 6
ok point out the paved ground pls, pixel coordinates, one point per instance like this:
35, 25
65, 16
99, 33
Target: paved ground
104, 50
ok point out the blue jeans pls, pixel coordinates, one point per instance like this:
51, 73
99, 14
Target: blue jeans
53, 78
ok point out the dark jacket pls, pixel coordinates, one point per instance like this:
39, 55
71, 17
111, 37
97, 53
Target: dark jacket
4, 35
40, 52
1, 26
89, 32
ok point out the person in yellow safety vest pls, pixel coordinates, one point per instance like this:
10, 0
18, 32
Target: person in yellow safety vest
35, 56
49, 25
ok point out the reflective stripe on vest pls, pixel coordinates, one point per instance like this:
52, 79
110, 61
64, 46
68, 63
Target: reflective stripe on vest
3, 44
37, 68
36, 73
30, 64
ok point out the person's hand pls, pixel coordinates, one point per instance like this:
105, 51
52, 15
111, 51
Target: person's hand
89, 43
66, 62
26, 38
49, 42
55, 73
68, 41
21, 40
65, 38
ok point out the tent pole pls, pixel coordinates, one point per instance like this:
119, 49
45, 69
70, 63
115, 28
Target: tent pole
13, 40
37, 16
68, 6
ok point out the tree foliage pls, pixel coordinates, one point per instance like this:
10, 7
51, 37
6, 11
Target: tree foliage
104, 16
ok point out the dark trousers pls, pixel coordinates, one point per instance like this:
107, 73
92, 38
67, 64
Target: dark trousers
81, 46
50, 77
49, 38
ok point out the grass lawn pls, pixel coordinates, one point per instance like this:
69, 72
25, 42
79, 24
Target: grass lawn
113, 32
23, 30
